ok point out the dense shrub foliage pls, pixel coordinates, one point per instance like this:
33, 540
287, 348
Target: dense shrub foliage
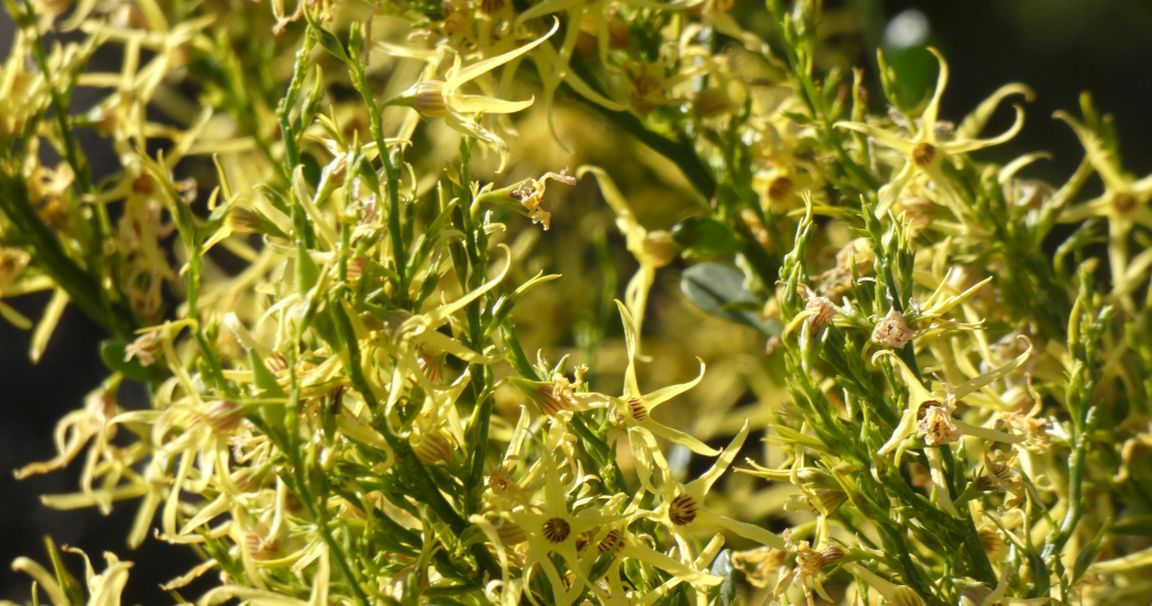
572, 301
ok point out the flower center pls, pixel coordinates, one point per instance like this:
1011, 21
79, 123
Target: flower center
924, 154
556, 529
610, 542
500, 480
892, 331
637, 409
432, 448
682, 510
223, 416
1124, 203
554, 398
780, 188
428, 99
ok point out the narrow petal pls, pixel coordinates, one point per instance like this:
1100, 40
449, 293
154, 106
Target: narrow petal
679, 437
668, 564
1098, 156
700, 486
438, 316
751, 532
917, 393
631, 387
934, 308
460, 76
883, 136
978, 119
442, 342
990, 377
1098, 207
1009, 171
664, 394
993, 435
961, 146
932, 110
480, 104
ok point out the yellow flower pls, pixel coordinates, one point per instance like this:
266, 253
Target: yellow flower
104, 589
652, 250
633, 410
1124, 204
526, 196
553, 525
928, 419
681, 508
414, 335
932, 140
442, 98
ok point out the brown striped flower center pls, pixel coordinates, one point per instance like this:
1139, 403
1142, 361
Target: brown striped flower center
611, 542
637, 409
682, 510
556, 529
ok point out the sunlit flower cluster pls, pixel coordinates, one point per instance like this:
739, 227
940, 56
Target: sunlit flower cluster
806, 352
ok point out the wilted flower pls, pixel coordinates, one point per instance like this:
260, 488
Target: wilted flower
920, 401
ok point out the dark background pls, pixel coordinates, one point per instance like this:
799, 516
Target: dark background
1058, 47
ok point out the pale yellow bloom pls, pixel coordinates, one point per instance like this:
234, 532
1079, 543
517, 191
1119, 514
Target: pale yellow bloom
681, 508
443, 97
931, 142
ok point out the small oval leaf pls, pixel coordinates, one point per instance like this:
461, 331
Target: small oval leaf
719, 290
704, 237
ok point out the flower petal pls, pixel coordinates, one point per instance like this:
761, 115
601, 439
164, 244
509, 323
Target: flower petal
458, 76
701, 485
975, 122
679, 437
481, 104
932, 110
1098, 156
963, 146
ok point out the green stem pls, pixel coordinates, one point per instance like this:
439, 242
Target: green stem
424, 489
391, 175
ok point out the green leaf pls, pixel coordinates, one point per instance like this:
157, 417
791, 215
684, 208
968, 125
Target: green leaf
719, 290
704, 237
1088, 554
328, 40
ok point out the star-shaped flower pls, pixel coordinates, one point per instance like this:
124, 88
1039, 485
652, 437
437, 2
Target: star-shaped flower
938, 426
443, 98
681, 508
1124, 203
931, 142
633, 410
